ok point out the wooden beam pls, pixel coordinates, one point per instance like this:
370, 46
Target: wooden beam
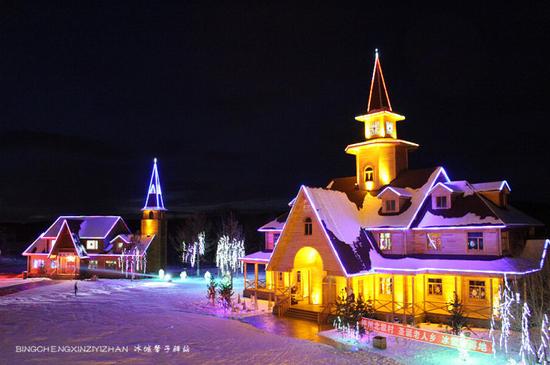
413, 304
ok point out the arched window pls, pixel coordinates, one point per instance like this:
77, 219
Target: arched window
151, 215
369, 174
308, 226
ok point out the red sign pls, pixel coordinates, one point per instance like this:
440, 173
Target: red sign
433, 337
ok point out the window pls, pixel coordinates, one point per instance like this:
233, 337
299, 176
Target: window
110, 264
435, 286
369, 174
92, 264
475, 241
390, 205
53, 264
151, 215
441, 202
38, 263
280, 274
477, 289
385, 241
389, 127
308, 227
386, 286
92, 244
120, 244
433, 241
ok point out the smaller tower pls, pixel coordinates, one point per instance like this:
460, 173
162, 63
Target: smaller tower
382, 155
153, 222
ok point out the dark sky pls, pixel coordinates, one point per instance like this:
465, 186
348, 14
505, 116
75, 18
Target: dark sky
243, 102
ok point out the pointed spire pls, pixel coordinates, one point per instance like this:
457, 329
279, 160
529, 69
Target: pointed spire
378, 96
154, 201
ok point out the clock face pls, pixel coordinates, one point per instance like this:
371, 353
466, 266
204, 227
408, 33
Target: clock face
374, 128
389, 127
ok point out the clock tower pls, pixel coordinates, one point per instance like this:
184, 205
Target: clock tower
382, 155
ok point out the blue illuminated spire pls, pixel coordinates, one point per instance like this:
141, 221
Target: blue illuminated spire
154, 201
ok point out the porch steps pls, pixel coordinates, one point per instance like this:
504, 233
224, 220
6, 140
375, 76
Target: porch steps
302, 314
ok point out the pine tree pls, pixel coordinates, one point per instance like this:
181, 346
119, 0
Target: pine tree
456, 310
225, 292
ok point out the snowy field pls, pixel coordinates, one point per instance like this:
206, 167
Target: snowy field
141, 315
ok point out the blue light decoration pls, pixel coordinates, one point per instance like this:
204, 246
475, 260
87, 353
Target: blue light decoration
154, 201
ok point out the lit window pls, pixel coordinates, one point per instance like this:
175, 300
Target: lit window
38, 263
441, 202
477, 289
433, 241
369, 174
475, 241
92, 264
92, 244
110, 264
386, 286
390, 205
151, 215
385, 241
120, 244
308, 227
435, 286
53, 264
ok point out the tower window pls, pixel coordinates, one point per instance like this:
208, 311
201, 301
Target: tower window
369, 174
308, 227
389, 127
151, 215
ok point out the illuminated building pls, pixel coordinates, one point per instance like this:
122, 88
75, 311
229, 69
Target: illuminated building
82, 246
405, 240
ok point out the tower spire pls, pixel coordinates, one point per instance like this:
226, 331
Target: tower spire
153, 200
378, 97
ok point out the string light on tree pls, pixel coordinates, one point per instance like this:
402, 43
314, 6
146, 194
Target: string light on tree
228, 253
526, 351
544, 340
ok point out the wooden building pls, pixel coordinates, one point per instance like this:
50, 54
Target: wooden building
403, 239
82, 246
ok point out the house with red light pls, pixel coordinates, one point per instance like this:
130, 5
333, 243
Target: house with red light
83, 246
405, 240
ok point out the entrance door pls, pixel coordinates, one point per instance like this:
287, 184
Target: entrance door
67, 265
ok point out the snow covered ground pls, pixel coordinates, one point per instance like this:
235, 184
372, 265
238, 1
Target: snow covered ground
139, 314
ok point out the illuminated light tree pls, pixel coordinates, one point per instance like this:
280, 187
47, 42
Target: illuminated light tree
225, 292
457, 320
505, 308
227, 255
192, 253
544, 340
526, 351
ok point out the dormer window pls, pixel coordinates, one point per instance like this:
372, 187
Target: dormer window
92, 244
441, 202
390, 205
308, 227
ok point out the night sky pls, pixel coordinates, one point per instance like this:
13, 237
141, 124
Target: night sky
243, 103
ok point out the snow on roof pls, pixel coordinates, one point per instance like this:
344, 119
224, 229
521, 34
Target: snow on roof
399, 191
469, 219
492, 186
84, 226
531, 259
275, 225
140, 242
371, 206
259, 256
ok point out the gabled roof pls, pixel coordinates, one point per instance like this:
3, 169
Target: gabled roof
492, 186
85, 226
65, 230
275, 225
402, 192
378, 96
132, 242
